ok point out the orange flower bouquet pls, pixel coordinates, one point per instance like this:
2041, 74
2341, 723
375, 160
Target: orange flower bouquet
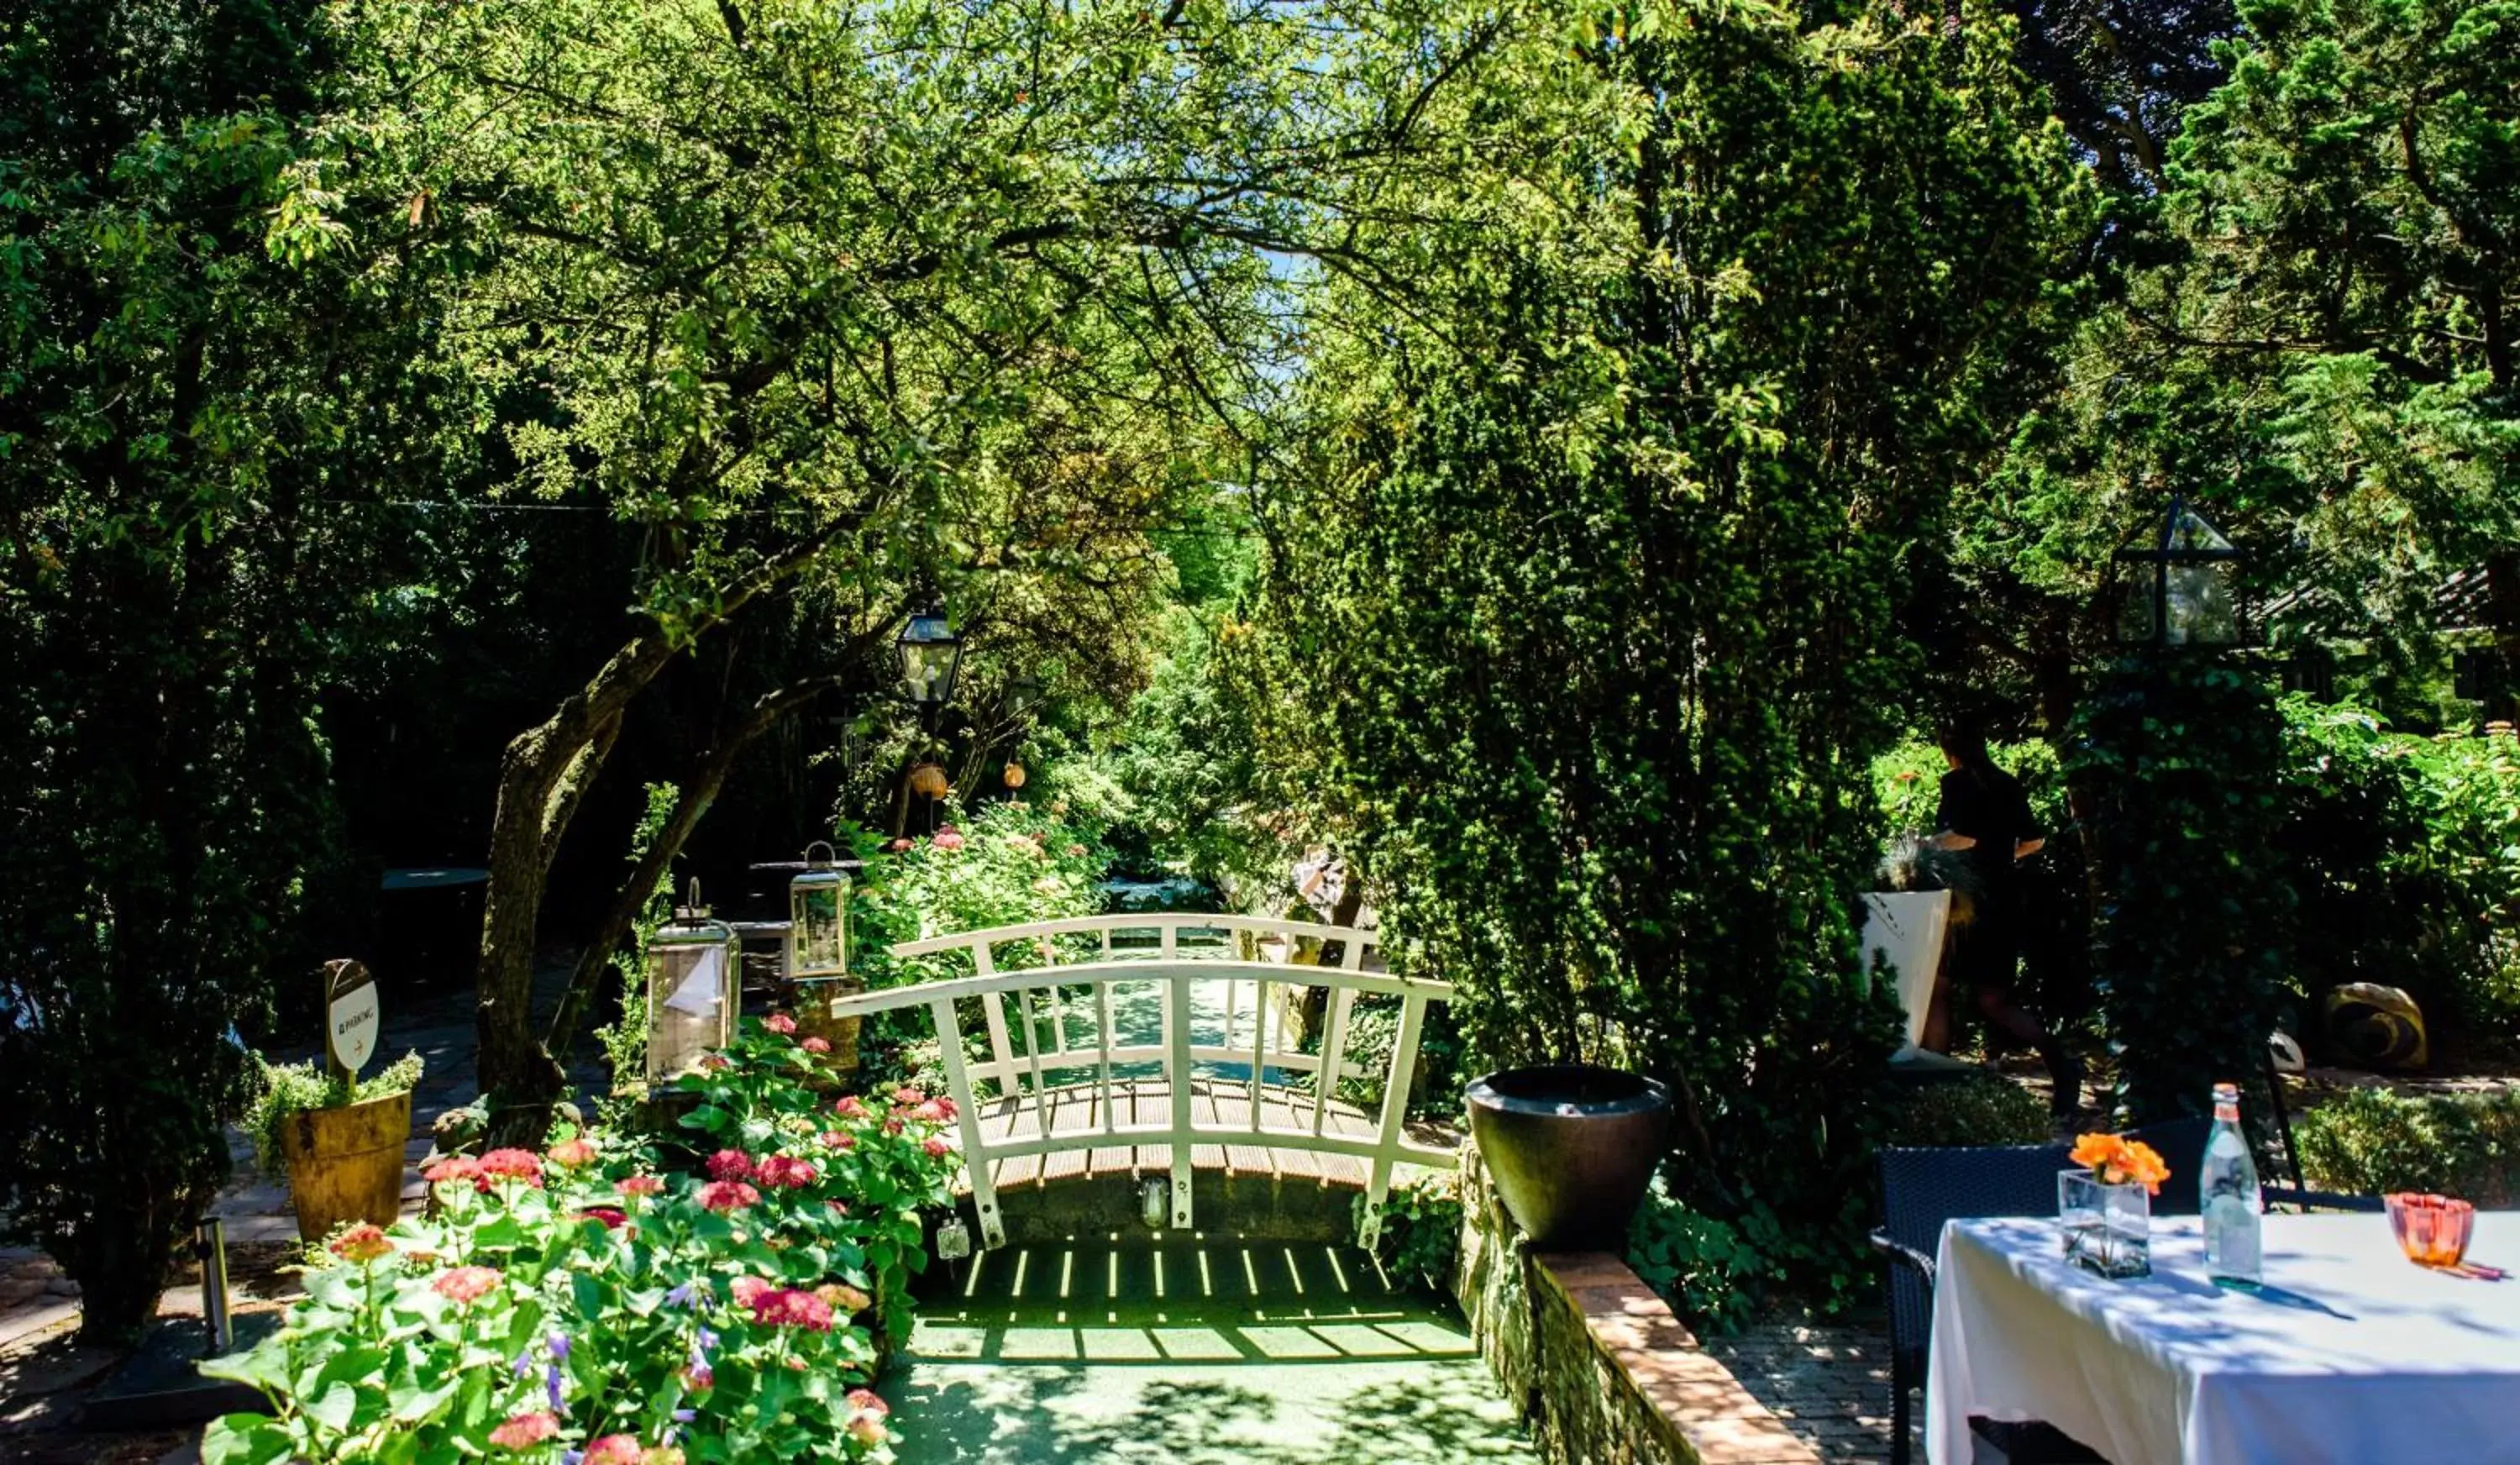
2105, 1210
2119, 1161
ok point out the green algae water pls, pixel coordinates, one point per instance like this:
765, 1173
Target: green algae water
1205, 1348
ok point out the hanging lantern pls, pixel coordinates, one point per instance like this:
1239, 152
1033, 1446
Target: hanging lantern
692, 993
818, 904
1015, 776
2176, 589
930, 654
927, 780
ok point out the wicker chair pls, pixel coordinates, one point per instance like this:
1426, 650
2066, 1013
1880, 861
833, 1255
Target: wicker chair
1920, 1189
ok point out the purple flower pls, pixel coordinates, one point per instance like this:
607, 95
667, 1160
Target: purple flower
558, 1343
551, 1386
708, 1339
524, 1364
571, 1456
680, 1297
686, 1416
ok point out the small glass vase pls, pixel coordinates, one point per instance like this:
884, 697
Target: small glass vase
2108, 1228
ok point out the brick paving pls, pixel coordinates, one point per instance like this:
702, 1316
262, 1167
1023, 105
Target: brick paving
1828, 1382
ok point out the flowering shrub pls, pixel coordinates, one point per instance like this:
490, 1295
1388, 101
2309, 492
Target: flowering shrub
562, 1309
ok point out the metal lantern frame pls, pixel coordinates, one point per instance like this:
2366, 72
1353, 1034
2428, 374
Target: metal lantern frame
931, 657
695, 976
818, 918
2185, 540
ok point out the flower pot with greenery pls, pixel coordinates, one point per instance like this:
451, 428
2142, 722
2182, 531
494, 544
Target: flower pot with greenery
340, 1142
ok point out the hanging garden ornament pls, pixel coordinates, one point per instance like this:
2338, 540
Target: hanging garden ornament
1015, 776
927, 780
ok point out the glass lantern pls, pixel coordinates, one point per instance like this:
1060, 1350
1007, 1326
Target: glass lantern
930, 654
818, 918
2177, 590
693, 994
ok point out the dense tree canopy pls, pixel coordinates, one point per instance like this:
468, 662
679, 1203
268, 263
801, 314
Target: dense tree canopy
1585, 585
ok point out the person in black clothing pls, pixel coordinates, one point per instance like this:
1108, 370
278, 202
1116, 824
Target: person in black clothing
1986, 817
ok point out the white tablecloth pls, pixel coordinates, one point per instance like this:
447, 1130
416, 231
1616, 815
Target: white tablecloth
2350, 1354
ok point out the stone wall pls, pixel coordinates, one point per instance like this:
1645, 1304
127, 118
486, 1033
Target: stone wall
1602, 1371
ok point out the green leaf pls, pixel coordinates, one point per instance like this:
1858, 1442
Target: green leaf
245, 1439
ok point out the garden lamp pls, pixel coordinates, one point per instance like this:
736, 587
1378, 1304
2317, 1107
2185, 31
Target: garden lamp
2174, 589
692, 972
930, 654
817, 901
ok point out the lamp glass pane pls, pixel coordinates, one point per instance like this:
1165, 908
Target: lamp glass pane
817, 918
2202, 609
688, 1011
2135, 600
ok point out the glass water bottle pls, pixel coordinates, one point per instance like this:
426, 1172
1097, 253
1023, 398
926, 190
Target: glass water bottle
2228, 1184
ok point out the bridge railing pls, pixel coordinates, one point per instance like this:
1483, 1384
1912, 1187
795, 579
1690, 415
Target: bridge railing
1062, 1036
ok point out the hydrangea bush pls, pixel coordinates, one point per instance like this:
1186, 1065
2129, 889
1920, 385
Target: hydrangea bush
578, 1306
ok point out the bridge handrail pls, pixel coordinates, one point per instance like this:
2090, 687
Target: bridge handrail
1088, 973
1174, 922
1173, 968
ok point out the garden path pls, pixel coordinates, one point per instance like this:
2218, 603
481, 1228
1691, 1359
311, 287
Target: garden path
1200, 1351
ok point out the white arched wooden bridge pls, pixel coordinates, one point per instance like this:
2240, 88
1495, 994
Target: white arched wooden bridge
1199, 1081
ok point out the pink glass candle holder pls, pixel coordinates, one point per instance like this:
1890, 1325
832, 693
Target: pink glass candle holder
2431, 1229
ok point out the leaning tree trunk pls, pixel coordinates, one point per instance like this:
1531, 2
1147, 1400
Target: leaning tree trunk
697, 792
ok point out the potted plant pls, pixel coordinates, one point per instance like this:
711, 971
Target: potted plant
339, 1141
1571, 1148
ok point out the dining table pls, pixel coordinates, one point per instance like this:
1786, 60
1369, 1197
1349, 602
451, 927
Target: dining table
2344, 1351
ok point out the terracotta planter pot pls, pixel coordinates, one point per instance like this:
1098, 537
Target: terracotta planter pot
1571, 1149
346, 1165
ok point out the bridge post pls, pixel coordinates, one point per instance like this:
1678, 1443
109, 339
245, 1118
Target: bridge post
1178, 1071
976, 1158
1395, 1115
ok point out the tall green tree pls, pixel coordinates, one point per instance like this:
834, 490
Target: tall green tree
810, 290
2321, 350
201, 376
1585, 588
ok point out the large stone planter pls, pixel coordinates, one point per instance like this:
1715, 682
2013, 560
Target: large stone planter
1571, 1149
346, 1165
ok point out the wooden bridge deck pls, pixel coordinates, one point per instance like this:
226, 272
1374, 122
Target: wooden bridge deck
1216, 1104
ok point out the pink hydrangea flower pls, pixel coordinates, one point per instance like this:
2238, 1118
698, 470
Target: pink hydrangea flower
464, 1284
613, 1450
850, 1106
844, 1298
816, 1045
513, 1164
611, 1216
837, 1139
905, 1094
787, 1308
936, 1148
948, 840
730, 1165
780, 1023
744, 1289
570, 1153
642, 1184
783, 1173
726, 1195
362, 1243
525, 1431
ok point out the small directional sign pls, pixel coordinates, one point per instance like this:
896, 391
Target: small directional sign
349, 1015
